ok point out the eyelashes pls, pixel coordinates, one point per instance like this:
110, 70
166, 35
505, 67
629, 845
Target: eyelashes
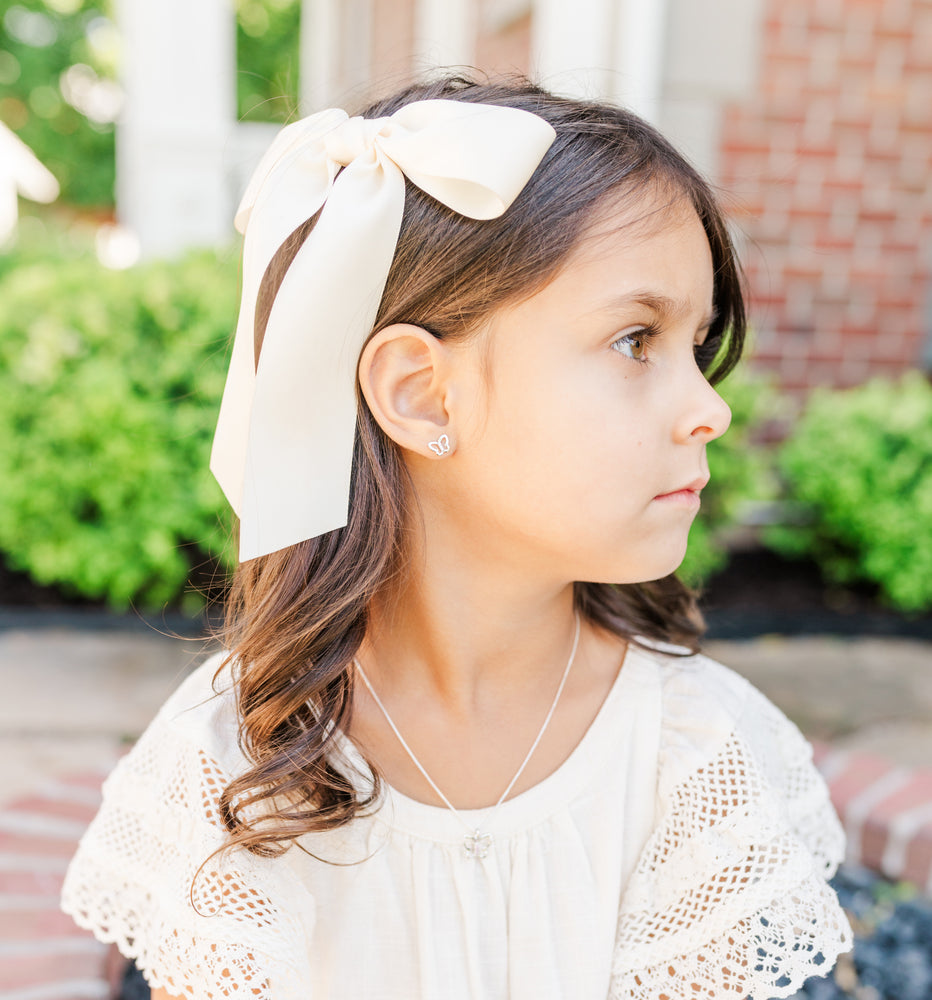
636, 346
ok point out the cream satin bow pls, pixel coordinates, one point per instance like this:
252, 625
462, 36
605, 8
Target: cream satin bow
283, 449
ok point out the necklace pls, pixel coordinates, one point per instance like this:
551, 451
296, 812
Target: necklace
477, 842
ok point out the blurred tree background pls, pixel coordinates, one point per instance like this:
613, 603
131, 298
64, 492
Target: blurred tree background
267, 59
111, 380
59, 90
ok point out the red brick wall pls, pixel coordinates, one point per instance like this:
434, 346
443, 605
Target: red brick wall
830, 160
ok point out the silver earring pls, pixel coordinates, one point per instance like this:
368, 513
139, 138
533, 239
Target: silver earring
441, 446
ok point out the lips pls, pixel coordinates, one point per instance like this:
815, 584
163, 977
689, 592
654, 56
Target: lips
694, 487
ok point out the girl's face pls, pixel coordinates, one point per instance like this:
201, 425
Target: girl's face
589, 448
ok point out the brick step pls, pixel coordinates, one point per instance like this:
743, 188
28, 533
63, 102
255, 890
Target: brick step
886, 812
43, 954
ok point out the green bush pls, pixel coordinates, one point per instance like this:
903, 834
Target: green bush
741, 471
109, 386
859, 463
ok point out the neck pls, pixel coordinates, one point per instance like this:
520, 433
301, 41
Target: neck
467, 631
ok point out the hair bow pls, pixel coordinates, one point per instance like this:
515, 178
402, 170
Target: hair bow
283, 448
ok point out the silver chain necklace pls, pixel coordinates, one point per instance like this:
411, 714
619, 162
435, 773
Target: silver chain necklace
476, 843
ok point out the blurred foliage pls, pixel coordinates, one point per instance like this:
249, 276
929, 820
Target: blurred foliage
267, 59
859, 462
59, 62
109, 386
741, 474
50, 48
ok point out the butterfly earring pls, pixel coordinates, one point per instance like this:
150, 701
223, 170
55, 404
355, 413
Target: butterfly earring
441, 446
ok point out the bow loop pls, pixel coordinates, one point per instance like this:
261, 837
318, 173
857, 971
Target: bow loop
302, 138
284, 444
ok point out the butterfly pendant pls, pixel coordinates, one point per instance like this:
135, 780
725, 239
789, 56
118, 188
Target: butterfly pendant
441, 446
476, 845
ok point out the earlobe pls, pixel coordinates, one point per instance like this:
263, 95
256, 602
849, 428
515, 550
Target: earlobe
404, 374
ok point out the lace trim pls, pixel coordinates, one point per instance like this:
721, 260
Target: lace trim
207, 933
729, 896
766, 955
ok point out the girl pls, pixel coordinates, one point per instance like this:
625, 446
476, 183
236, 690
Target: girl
462, 744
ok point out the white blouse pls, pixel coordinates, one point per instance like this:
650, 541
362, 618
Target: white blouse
680, 851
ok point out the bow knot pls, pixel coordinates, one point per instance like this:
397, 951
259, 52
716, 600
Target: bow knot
354, 137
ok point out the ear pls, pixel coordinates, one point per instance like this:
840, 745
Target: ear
405, 376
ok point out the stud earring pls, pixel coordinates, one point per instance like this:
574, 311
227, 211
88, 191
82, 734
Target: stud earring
441, 446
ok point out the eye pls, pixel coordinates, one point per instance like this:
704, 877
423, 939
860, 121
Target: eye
633, 345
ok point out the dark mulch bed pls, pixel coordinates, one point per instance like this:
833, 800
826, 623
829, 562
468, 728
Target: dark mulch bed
759, 593
26, 604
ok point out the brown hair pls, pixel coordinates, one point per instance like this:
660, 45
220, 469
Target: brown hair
295, 618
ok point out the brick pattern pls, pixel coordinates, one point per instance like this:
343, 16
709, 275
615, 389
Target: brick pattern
43, 955
830, 160
886, 812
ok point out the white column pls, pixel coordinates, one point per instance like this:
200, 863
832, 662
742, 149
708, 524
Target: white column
639, 56
335, 52
713, 55
179, 65
444, 33
319, 53
571, 45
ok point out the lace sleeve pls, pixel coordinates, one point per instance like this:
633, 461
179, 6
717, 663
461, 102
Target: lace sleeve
236, 926
729, 897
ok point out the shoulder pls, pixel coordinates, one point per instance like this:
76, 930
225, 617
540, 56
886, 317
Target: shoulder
730, 894
204, 705
149, 876
195, 732
707, 707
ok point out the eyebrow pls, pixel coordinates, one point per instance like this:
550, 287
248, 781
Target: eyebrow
666, 308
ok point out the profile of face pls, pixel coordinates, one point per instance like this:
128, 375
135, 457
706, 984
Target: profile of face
583, 448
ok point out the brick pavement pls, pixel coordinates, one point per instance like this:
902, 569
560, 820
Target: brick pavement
43, 954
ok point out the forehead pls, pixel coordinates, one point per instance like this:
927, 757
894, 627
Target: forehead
656, 245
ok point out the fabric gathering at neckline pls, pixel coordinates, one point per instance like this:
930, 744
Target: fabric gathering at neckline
571, 780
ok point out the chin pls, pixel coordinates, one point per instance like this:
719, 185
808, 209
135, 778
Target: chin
626, 576
655, 567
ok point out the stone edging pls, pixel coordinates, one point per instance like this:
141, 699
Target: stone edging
886, 811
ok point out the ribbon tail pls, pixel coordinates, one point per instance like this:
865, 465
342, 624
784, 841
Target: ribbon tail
287, 193
228, 452
300, 448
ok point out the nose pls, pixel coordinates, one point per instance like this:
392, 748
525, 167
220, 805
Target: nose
704, 415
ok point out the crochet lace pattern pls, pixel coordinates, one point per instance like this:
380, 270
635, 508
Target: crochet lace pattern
729, 897
229, 928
